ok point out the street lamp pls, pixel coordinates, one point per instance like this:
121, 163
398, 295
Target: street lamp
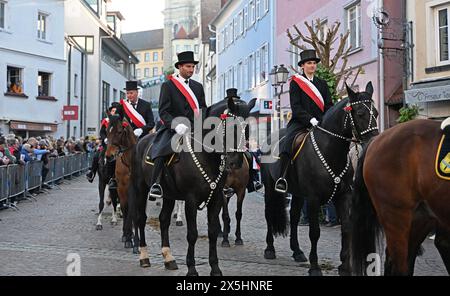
279, 76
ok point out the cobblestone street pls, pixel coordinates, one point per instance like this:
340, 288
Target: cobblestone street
37, 239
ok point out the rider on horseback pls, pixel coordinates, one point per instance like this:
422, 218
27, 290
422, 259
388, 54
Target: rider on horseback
140, 115
104, 125
180, 97
310, 98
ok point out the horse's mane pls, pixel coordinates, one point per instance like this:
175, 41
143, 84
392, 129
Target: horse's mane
333, 112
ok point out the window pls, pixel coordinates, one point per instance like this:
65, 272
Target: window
443, 37
258, 9
105, 96
354, 25
245, 85
251, 13
236, 28
162, 70
147, 57
115, 99
241, 22
231, 32
265, 6
251, 71
322, 30
2, 15
196, 48
221, 86
258, 67
14, 82
239, 85
75, 85
225, 38
231, 77
295, 56
146, 72
263, 72
42, 26
155, 56
178, 49
155, 71
111, 20
138, 73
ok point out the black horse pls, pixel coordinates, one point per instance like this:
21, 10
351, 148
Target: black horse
198, 178
321, 173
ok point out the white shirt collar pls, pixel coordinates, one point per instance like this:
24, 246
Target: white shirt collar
183, 79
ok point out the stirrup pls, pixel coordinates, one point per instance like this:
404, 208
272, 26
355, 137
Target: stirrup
154, 196
278, 182
112, 184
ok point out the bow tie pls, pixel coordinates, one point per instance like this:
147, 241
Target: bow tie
186, 81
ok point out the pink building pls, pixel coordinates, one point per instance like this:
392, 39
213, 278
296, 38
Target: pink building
355, 16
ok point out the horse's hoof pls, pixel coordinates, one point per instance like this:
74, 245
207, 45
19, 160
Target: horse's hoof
225, 244
192, 273
216, 273
179, 223
269, 254
144, 262
171, 265
136, 250
299, 257
124, 239
315, 272
239, 242
99, 227
128, 245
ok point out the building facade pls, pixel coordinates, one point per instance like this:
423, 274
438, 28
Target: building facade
32, 67
429, 79
108, 61
384, 68
244, 54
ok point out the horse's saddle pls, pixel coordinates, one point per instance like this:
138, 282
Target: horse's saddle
443, 152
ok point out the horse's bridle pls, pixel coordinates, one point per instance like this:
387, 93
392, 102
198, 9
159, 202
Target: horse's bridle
223, 157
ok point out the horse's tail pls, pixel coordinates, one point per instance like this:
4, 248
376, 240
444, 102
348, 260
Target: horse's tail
365, 226
275, 206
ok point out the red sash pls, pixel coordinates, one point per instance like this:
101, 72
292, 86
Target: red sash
311, 90
105, 122
186, 93
134, 116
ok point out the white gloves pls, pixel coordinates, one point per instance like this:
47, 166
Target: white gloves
314, 121
181, 129
105, 141
138, 132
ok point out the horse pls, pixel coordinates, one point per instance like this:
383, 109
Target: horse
179, 204
237, 179
205, 170
397, 190
121, 141
320, 173
112, 196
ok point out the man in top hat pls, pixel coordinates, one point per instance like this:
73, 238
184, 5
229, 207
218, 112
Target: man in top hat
310, 98
139, 114
180, 97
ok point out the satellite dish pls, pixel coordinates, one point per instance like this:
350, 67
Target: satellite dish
381, 18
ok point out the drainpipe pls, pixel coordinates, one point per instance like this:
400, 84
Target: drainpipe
381, 74
69, 74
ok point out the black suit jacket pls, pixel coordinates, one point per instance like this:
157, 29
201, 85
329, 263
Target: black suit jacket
145, 109
172, 103
304, 108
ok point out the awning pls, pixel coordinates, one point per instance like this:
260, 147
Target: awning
33, 126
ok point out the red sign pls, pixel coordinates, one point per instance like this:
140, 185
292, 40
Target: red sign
70, 113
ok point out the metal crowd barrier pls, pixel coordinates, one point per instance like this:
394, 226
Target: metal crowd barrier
17, 180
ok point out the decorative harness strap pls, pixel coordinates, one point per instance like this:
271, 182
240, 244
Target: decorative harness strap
187, 93
311, 90
132, 113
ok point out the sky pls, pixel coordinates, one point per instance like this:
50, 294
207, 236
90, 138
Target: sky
140, 15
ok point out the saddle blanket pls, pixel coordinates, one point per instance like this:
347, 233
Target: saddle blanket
443, 158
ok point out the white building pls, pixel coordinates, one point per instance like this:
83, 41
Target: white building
107, 63
32, 58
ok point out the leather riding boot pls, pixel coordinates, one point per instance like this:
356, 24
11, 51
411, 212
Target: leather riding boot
281, 185
156, 190
93, 169
111, 169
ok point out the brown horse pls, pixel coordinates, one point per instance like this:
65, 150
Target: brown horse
237, 179
398, 190
121, 141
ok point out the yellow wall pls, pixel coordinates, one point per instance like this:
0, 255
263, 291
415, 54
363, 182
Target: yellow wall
422, 14
149, 64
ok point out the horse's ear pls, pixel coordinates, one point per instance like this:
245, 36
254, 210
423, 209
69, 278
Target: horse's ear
369, 88
350, 92
251, 104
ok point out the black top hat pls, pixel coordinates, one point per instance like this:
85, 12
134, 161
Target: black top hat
114, 105
232, 93
185, 57
131, 85
308, 55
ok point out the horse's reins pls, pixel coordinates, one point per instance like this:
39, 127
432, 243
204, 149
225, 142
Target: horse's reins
223, 157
